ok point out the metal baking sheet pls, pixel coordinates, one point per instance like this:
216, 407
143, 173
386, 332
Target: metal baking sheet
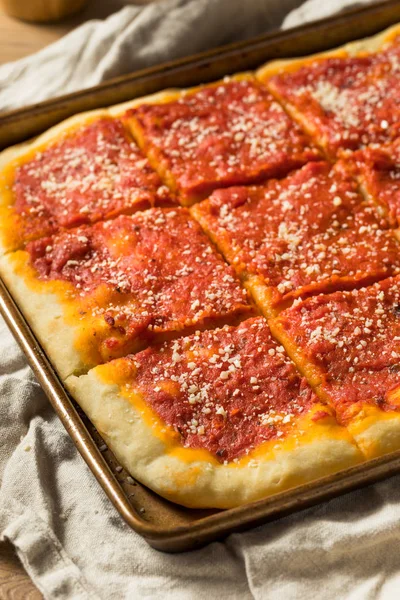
167, 526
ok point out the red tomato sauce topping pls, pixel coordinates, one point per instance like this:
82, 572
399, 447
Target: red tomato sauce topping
227, 390
159, 271
220, 135
353, 338
303, 234
350, 101
379, 170
95, 172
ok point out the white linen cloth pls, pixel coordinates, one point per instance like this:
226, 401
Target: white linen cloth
69, 537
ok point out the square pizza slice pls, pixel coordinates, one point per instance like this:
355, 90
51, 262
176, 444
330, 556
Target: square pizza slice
348, 346
378, 171
344, 99
216, 419
101, 291
308, 233
80, 172
229, 133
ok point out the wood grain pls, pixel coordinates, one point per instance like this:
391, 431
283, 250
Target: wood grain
19, 38
14, 582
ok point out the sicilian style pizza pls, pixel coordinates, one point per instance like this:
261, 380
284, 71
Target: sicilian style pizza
215, 272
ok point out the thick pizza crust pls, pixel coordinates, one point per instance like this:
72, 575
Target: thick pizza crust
375, 431
195, 483
194, 478
352, 49
46, 316
118, 110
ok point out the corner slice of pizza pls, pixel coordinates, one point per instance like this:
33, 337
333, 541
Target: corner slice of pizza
101, 291
82, 171
228, 133
348, 346
308, 233
345, 99
216, 419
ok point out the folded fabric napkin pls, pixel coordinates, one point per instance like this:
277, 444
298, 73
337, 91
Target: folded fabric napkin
69, 537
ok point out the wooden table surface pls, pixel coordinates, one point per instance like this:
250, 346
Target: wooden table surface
18, 39
14, 582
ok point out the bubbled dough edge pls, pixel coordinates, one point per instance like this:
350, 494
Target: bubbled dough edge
45, 315
379, 437
199, 483
172, 94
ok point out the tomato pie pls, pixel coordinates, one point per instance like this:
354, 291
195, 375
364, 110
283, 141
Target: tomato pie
215, 272
230, 133
307, 233
98, 292
345, 99
222, 414
348, 346
89, 172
